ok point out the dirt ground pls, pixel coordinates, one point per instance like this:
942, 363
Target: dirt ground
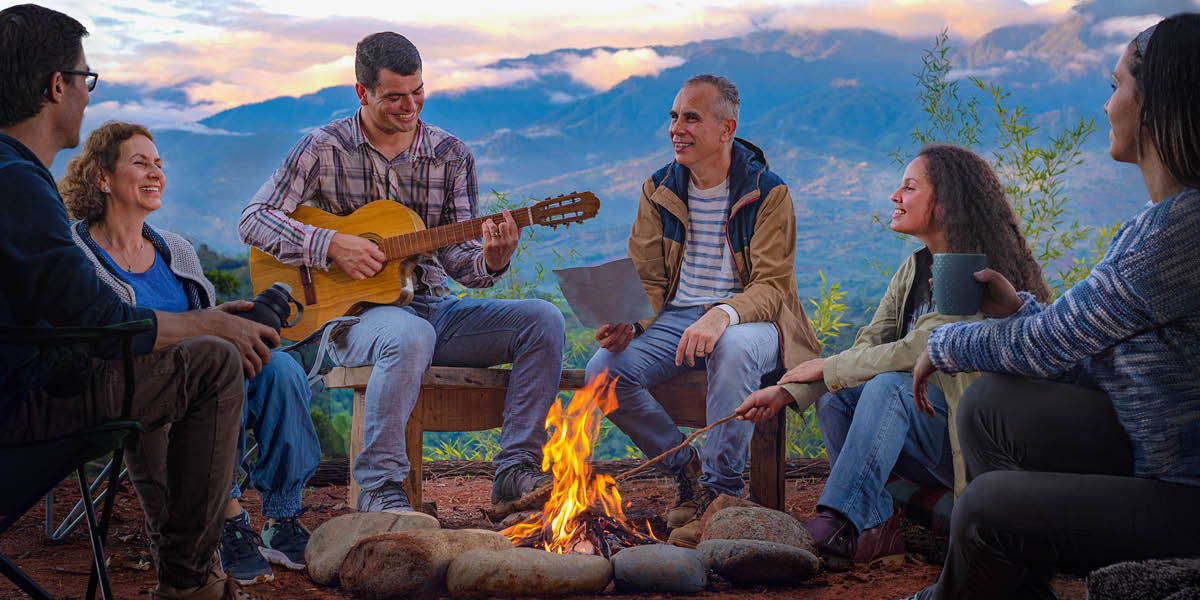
63, 568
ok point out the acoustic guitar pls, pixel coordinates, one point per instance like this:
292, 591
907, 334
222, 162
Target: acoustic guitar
401, 234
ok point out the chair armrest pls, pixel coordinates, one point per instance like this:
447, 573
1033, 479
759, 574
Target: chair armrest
66, 384
45, 336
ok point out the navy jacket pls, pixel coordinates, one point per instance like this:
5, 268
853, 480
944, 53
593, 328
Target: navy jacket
47, 279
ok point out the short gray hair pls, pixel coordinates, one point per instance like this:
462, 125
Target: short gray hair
728, 103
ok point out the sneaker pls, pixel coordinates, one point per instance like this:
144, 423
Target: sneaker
516, 481
923, 594
835, 538
882, 544
389, 497
688, 535
284, 542
240, 555
687, 489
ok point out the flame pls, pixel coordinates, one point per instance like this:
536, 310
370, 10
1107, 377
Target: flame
575, 426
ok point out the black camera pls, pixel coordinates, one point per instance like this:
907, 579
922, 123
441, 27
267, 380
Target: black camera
271, 307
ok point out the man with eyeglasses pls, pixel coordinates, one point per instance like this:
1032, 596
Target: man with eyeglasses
187, 365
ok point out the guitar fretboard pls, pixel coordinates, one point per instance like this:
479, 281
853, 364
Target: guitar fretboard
427, 240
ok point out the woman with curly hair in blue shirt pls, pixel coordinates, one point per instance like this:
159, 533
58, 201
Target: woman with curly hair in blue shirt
1082, 444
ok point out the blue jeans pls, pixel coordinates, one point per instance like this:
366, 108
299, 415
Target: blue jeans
277, 410
402, 342
873, 430
742, 356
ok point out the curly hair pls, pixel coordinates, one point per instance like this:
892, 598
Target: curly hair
972, 210
80, 192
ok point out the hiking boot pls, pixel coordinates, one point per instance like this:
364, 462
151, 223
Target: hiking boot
687, 489
217, 587
882, 544
389, 497
284, 542
241, 557
835, 538
688, 535
842, 548
516, 481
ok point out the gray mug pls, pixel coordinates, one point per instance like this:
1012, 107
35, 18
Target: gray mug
955, 291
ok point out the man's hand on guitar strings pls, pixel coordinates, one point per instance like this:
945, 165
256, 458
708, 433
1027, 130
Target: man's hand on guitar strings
359, 257
500, 241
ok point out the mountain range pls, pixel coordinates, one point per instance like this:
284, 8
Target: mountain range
828, 107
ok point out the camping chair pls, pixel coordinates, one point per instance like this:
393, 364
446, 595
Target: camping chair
31, 469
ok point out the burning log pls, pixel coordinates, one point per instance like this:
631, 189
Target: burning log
594, 533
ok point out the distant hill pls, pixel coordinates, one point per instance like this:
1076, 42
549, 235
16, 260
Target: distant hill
827, 107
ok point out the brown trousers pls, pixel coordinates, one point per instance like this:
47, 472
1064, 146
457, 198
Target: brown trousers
189, 398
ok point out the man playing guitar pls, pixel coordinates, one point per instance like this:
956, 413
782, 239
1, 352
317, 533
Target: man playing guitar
385, 152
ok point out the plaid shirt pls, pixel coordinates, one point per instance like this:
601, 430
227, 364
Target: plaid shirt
337, 170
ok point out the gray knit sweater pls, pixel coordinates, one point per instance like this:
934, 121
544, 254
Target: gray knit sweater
180, 256
1132, 328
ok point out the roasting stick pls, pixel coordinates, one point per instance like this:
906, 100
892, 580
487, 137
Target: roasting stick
645, 465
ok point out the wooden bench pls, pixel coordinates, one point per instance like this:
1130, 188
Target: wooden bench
470, 399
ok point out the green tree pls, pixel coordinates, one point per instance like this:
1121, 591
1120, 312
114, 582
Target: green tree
1032, 168
227, 285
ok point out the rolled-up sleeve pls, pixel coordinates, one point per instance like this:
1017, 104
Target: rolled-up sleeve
265, 223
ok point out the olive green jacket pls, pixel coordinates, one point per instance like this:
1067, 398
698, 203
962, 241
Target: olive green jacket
879, 348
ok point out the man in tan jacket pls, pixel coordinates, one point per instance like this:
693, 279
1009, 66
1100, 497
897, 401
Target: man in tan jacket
714, 242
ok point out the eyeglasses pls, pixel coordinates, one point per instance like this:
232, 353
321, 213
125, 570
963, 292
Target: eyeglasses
90, 78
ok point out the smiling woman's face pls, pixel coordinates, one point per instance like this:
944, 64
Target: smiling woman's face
1124, 112
138, 179
912, 202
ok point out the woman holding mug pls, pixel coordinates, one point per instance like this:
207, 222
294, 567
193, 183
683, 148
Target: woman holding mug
1082, 447
951, 200
111, 187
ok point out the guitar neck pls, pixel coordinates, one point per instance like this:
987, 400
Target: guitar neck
403, 246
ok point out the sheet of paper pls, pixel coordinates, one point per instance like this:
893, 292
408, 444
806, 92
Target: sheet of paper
608, 293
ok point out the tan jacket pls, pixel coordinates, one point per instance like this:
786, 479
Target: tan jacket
760, 232
879, 348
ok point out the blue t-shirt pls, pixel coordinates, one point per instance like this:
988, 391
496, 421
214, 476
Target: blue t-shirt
157, 288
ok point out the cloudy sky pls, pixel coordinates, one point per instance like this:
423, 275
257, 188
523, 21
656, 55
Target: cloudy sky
216, 54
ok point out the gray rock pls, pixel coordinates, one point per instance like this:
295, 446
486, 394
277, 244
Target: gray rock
660, 568
748, 562
526, 572
410, 564
757, 523
333, 539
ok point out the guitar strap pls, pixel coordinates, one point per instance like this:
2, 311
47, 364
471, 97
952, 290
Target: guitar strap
306, 281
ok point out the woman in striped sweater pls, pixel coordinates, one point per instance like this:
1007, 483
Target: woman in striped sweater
1082, 446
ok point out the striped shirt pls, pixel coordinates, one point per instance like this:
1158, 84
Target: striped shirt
336, 169
707, 274
1131, 327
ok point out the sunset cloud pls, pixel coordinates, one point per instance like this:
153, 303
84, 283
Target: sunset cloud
922, 18
1125, 27
230, 52
603, 69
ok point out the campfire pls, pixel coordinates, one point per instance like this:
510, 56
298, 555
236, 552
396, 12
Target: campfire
583, 513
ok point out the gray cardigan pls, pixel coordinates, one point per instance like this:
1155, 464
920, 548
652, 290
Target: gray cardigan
180, 256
